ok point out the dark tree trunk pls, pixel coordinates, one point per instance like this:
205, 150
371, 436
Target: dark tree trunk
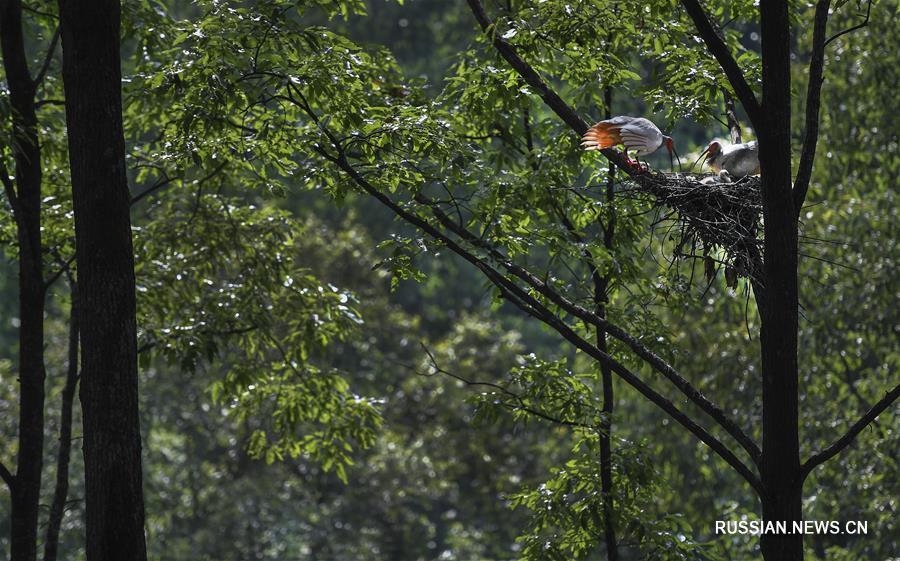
61, 492
601, 298
780, 462
25, 198
109, 383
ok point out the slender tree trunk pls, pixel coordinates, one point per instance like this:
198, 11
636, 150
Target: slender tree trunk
601, 298
25, 198
780, 465
61, 493
109, 383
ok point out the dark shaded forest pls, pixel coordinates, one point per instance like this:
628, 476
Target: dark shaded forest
334, 279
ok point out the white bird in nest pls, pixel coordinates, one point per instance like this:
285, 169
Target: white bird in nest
722, 177
636, 134
739, 160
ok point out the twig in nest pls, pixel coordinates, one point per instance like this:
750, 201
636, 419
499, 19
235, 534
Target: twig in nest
719, 216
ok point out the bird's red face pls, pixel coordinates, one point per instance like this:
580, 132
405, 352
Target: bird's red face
710, 153
670, 146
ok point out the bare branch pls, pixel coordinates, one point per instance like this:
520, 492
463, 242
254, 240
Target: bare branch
64, 453
813, 102
42, 102
51, 50
821, 457
719, 50
65, 266
856, 27
39, 12
10, 190
734, 127
13, 198
7, 477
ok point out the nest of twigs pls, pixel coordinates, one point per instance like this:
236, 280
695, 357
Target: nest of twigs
713, 220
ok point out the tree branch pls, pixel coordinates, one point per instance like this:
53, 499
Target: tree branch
533, 79
856, 27
821, 457
167, 180
813, 102
719, 50
64, 454
10, 190
64, 267
734, 127
47, 59
7, 477
519, 403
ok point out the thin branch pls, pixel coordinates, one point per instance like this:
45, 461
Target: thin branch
39, 12
7, 477
734, 126
519, 401
63, 457
149, 345
10, 190
821, 457
64, 267
856, 27
42, 102
167, 180
533, 79
719, 50
601, 299
14, 203
152, 189
813, 102
48, 58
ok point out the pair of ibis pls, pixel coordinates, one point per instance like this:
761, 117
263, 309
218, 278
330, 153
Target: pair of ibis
641, 137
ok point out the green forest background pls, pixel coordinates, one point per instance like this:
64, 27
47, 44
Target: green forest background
435, 472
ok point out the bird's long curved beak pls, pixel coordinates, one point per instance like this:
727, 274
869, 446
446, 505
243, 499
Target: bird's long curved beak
673, 151
703, 155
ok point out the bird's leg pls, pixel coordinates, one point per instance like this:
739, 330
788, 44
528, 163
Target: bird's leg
633, 164
641, 166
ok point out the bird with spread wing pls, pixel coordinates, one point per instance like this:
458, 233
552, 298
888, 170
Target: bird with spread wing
636, 134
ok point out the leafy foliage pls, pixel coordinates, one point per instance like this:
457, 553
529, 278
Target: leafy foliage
263, 324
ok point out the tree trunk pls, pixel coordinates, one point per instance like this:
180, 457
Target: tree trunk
780, 462
25, 199
601, 298
109, 383
61, 492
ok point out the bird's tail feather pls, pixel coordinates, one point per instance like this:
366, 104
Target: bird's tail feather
600, 136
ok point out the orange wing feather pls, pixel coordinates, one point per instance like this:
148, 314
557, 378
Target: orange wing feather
600, 136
